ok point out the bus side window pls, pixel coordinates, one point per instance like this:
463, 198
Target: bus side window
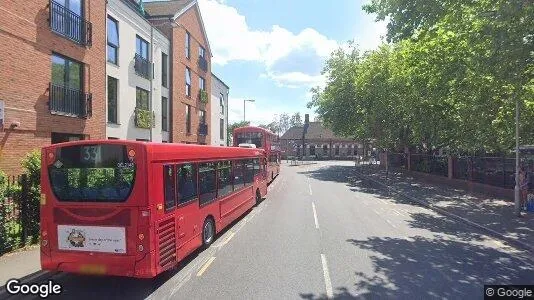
187, 182
169, 188
224, 178
249, 172
238, 174
257, 166
207, 184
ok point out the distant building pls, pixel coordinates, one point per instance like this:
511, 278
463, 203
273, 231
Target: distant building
319, 142
219, 111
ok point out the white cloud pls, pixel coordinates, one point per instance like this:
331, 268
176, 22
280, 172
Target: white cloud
278, 49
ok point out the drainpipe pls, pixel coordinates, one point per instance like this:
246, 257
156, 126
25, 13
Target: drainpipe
226, 117
151, 79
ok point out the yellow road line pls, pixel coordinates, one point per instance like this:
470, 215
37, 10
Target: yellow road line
205, 266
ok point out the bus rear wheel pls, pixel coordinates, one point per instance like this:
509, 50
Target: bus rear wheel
208, 232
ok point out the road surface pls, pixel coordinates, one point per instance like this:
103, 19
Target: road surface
321, 233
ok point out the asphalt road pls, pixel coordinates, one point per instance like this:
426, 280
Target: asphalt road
320, 233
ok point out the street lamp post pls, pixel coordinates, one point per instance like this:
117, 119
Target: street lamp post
517, 200
244, 102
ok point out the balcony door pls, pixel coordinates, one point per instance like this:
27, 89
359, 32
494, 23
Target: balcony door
70, 18
66, 94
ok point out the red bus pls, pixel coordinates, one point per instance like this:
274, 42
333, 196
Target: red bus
263, 139
136, 209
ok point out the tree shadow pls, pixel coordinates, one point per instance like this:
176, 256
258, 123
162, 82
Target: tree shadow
429, 268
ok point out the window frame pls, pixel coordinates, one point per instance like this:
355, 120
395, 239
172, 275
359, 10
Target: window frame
231, 178
221, 129
164, 114
164, 70
201, 52
201, 83
111, 44
188, 85
137, 101
187, 45
201, 116
167, 209
221, 103
141, 42
66, 71
116, 104
202, 202
195, 196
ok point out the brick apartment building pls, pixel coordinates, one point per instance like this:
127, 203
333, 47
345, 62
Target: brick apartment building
52, 71
181, 22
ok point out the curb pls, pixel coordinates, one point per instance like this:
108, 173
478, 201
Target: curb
31, 278
516, 243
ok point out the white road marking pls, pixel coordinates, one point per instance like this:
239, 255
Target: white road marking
315, 216
205, 266
227, 239
327, 281
309, 186
391, 223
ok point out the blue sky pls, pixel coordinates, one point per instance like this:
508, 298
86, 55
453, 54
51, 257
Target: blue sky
273, 51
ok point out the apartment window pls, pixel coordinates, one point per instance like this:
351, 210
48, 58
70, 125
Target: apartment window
66, 18
112, 100
201, 83
187, 183
66, 72
187, 82
188, 119
141, 98
201, 52
141, 47
221, 129
221, 103
164, 114
207, 182
202, 117
66, 96
187, 45
164, 69
113, 40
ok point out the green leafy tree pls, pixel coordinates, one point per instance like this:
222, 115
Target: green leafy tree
295, 120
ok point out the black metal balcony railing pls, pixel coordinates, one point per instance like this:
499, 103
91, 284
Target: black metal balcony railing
203, 129
203, 63
142, 66
65, 22
70, 102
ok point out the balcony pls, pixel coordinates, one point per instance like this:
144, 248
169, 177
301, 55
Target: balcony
203, 63
70, 25
203, 96
69, 102
203, 129
144, 118
142, 66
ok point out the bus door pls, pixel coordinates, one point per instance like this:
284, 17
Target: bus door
187, 212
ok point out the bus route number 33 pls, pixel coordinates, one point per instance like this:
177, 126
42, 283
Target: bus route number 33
90, 154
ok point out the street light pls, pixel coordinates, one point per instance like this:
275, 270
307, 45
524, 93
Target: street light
244, 102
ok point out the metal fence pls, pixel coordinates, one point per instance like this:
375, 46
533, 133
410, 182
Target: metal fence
495, 171
19, 214
398, 160
431, 164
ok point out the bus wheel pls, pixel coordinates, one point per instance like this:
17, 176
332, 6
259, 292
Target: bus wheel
258, 196
208, 232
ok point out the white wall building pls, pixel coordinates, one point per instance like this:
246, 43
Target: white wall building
219, 112
137, 62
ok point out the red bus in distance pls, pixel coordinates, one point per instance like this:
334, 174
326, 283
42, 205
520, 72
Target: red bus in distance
263, 139
136, 209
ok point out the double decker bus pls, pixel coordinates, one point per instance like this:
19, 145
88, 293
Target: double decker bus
136, 209
262, 139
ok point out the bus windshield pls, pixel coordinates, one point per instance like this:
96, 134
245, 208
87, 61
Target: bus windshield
250, 138
92, 173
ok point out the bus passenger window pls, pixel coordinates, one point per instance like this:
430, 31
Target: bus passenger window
249, 172
208, 185
224, 172
168, 181
238, 175
187, 183
256, 166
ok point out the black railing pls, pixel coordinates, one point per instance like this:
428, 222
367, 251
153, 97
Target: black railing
69, 24
203, 63
203, 129
70, 102
142, 66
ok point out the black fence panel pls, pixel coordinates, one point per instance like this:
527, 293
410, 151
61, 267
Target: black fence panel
398, 160
431, 164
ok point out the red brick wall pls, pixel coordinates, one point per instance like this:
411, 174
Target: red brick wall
189, 21
26, 47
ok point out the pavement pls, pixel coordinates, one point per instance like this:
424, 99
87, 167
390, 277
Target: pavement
494, 215
324, 233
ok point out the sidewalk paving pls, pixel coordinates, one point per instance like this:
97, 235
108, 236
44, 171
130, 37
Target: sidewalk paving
494, 214
19, 264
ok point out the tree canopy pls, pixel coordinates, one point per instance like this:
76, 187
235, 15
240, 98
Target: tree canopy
448, 78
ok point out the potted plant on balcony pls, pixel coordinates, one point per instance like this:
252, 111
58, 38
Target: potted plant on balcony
143, 118
203, 96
